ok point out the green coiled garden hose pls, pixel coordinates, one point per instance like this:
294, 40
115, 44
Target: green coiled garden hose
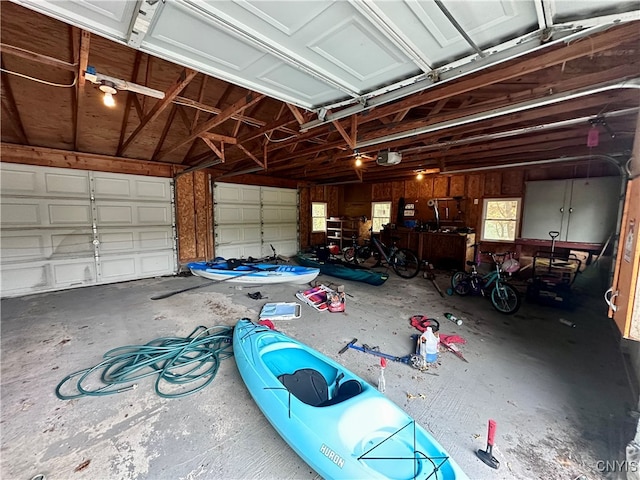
183, 365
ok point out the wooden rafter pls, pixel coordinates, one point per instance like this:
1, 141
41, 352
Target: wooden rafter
36, 57
196, 117
296, 113
244, 102
185, 77
165, 130
524, 65
251, 155
345, 135
218, 151
9, 106
130, 100
83, 61
219, 138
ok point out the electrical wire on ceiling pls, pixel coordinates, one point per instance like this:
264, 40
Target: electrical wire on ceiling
268, 137
52, 84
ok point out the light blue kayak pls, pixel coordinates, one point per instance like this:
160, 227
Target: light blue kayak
254, 273
335, 421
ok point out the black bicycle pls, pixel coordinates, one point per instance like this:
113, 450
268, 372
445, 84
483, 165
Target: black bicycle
403, 261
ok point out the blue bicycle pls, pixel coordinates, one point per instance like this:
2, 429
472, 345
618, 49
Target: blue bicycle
504, 298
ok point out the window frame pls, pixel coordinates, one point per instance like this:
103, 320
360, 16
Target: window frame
373, 217
516, 220
313, 217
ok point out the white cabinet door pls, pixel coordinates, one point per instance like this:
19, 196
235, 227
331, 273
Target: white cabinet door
543, 208
593, 210
583, 210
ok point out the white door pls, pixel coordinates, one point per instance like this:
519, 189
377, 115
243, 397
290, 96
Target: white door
249, 219
64, 228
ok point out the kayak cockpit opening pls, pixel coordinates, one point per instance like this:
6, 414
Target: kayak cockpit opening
310, 387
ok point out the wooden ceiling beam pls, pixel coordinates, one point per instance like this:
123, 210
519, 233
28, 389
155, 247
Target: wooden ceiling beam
249, 99
524, 65
183, 80
350, 141
219, 138
252, 156
130, 100
296, 113
38, 58
83, 61
52, 157
12, 112
165, 130
218, 151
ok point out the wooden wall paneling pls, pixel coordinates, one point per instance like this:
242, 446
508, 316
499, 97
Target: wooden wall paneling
456, 186
333, 201
412, 190
513, 183
426, 190
317, 194
397, 192
186, 219
204, 215
441, 186
381, 192
473, 210
304, 221
492, 184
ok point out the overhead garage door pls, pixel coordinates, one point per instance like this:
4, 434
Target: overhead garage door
64, 228
249, 219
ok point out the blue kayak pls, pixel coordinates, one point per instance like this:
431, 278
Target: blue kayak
254, 273
335, 421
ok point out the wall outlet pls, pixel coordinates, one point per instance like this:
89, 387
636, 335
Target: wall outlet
475, 201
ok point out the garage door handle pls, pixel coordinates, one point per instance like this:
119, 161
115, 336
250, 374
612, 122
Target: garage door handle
609, 297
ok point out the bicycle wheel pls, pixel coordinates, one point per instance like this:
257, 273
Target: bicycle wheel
505, 299
363, 253
460, 283
405, 263
349, 254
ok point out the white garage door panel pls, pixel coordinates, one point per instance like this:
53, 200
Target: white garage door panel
273, 214
50, 182
131, 187
74, 272
138, 240
231, 193
26, 245
67, 228
231, 214
132, 214
279, 196
33, 277
24, 278
42, 212
249, 219
131, 267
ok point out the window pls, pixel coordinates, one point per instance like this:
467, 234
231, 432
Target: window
380, 214
318, 217
500, 219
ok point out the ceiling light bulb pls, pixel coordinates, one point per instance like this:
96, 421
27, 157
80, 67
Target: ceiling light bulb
109, 90
419, 176
358, 162
108, 99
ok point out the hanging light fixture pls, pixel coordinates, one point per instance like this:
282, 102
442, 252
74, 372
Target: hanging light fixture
358, 162
109, 90
419, 176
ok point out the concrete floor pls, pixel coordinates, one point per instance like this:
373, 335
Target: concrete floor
561, 396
